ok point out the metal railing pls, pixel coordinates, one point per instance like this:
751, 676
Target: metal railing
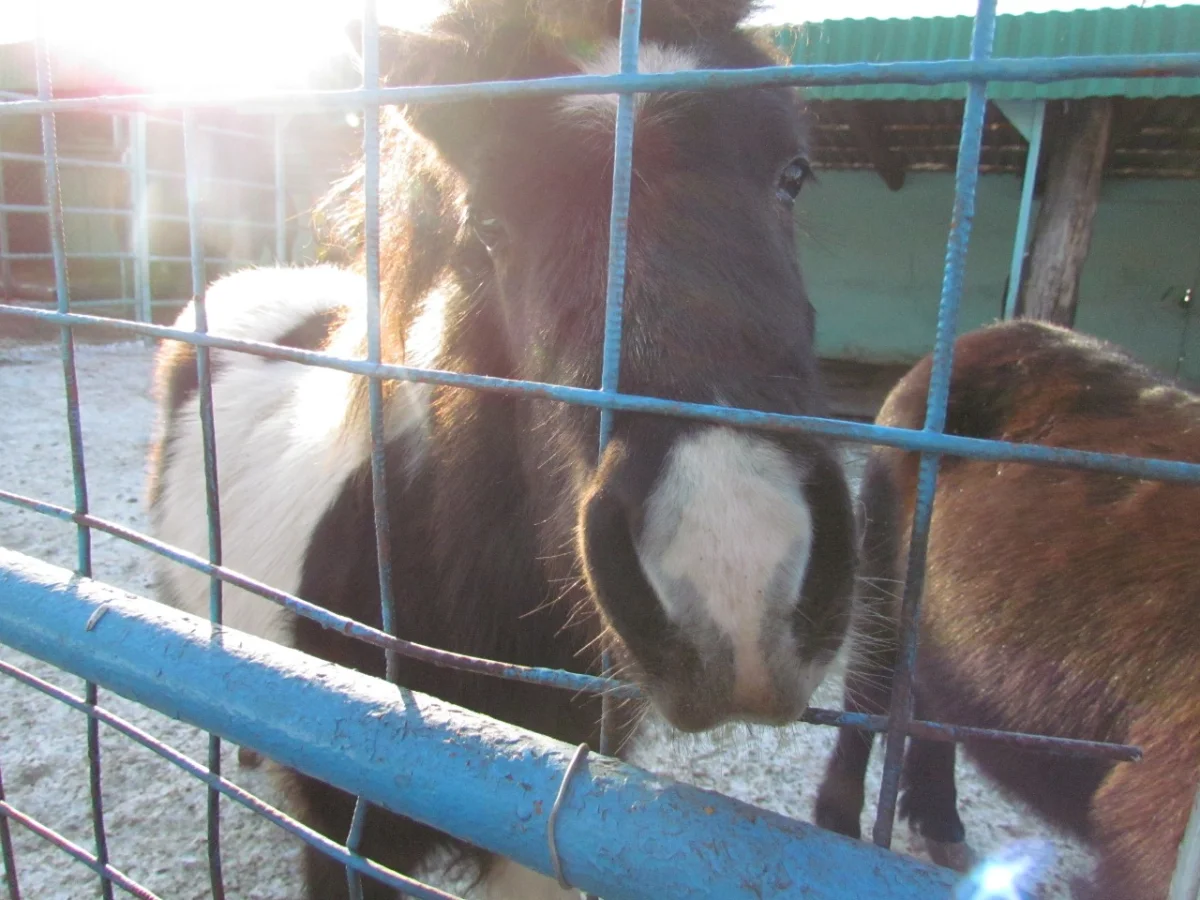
138, 216
95, 631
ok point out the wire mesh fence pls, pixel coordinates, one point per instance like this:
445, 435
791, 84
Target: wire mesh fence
61, 623
125, 226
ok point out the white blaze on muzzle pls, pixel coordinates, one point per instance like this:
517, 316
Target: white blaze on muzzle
726, 544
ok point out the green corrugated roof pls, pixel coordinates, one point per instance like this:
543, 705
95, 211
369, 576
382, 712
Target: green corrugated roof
1155, 29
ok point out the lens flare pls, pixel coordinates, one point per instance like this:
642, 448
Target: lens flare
220, 45
1013, 873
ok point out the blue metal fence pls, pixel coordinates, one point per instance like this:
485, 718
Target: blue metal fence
135, 218
96, 632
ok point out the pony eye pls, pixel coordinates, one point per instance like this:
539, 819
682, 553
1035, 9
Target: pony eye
489, 230
793, 178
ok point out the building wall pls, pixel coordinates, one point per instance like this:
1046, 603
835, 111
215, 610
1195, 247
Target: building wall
874, 258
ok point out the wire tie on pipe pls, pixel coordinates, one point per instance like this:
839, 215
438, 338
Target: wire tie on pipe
580, 753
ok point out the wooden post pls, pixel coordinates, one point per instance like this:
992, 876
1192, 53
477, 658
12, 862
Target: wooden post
1062, 235
868, 133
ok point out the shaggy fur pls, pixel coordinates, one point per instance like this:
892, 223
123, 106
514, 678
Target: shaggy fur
1056, 602
716, 564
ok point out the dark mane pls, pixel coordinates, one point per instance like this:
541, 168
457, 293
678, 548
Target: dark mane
422, 211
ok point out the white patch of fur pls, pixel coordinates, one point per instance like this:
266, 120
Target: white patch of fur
263, 303
512, 881
283, 453
653, 59
728, 528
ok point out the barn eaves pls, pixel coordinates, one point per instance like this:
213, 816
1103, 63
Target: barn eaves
898, 128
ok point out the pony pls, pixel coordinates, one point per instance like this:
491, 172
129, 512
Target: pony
715, 564
1056, 601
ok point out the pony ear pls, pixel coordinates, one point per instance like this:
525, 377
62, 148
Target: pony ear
408, 58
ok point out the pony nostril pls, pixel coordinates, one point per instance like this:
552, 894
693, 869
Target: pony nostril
616, 579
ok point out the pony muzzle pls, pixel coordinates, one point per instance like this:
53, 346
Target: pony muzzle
699, 567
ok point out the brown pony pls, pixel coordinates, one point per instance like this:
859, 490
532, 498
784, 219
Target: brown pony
1056, 602
716, 564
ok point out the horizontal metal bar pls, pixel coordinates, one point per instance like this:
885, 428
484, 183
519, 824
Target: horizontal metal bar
531, 674
79, 854
228, 788
118, 254
111, 302
64, 160
558, 678
105, 303
98, 254
210, 260
118, 211
107, 164
858, 432
210, 129
17, 95
954, 734
486, 782
213, 179
1039, 70
212, 220
68, 210
114, 301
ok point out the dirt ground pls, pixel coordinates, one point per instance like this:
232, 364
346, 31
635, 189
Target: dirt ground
155, 813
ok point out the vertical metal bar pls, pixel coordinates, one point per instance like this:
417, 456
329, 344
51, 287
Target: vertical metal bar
122, 137
383, 544
212, 494
140, 221
1185, 884
353, 841
92, 697
1022, 235
6, 276
618, 234
126, 294
62, 291
119, 138
966, 179
280, 197
379, 494
618, 226
7, 856
83, 535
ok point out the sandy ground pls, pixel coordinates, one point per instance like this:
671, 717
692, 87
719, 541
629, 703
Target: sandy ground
155, 813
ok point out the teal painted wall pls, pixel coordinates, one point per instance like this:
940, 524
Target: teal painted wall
873, 261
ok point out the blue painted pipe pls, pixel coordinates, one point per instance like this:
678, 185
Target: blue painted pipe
622, 832
1037, 70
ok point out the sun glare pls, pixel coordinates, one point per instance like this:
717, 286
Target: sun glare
163, 45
